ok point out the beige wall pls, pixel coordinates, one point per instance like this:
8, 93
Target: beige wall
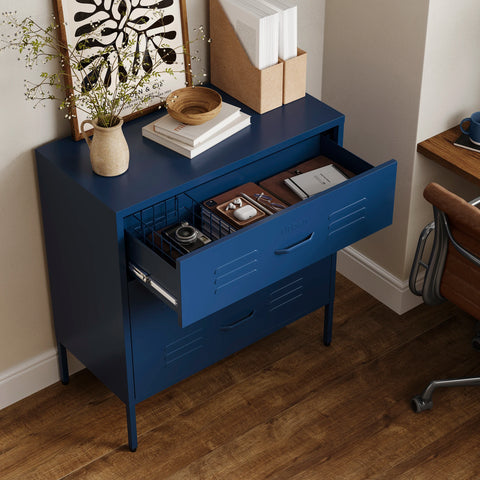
373, 69
25, 313
311, 26
450, 92
402, 72
392, 67
372, 73
25, 317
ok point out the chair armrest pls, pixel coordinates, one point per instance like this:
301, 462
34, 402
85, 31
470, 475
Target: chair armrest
475, 201
418, 259
463, 251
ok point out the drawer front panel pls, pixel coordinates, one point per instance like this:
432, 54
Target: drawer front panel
354, 213
165, 353
242, 263
281, 304
236, 270
276, 247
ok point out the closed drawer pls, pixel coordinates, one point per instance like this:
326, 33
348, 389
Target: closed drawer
165, 353
222, 272
284, 302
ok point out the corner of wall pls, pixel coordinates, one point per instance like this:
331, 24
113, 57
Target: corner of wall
375, 280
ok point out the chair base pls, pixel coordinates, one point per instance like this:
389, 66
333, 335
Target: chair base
424, 402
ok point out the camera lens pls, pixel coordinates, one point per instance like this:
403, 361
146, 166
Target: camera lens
186, 234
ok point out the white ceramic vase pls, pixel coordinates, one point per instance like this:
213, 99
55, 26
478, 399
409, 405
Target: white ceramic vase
109, 152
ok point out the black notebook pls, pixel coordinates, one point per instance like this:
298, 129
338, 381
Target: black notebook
464, 141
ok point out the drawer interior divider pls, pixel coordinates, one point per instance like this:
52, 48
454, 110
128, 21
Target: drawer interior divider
157, 226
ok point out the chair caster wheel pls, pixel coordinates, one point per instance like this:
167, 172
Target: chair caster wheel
419, 404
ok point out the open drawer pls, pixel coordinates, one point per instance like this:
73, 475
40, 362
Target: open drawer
240, 263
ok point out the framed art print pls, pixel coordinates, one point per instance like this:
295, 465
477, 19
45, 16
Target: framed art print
151, 29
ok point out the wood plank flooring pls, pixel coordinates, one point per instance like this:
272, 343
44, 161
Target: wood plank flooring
286, 408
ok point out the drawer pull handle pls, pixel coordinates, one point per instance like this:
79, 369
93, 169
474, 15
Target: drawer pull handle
226, 328
295, 245
145, 278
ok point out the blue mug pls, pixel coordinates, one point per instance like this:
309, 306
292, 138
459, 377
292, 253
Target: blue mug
474, 129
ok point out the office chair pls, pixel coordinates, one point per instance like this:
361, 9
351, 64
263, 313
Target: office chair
453, 270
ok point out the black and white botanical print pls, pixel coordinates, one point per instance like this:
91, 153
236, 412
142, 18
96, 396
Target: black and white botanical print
151, 29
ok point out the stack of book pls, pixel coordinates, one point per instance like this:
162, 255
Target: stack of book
267, 29
191, 140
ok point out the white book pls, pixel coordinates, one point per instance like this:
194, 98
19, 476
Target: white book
194, 135
256, 26
148, 131
288, 30
269, 49
309, 183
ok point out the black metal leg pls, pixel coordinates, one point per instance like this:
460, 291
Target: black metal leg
63, 364
132, 428
327, 324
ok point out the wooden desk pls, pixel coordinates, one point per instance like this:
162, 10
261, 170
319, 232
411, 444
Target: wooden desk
440, 148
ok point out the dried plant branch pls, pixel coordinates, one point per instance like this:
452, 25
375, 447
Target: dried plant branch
101, 81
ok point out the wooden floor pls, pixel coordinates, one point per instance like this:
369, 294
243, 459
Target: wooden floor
285, 408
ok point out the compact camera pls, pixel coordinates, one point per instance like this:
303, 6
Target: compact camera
185, 237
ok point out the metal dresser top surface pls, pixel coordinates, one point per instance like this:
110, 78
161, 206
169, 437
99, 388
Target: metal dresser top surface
155, 169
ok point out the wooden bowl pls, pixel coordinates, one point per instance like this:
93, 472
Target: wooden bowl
194, 105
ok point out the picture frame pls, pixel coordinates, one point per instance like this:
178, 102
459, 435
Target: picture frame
114, 19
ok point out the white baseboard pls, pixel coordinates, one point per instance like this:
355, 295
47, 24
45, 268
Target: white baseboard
32, 376
377, 281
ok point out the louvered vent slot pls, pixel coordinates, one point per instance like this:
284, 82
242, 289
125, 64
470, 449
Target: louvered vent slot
185, 346
229, 274
347, 216
286, 294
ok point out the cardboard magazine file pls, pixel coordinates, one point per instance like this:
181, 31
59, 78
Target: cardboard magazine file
232, 71
294, 77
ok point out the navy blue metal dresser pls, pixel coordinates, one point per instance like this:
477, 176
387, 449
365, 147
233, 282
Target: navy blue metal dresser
140, 321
